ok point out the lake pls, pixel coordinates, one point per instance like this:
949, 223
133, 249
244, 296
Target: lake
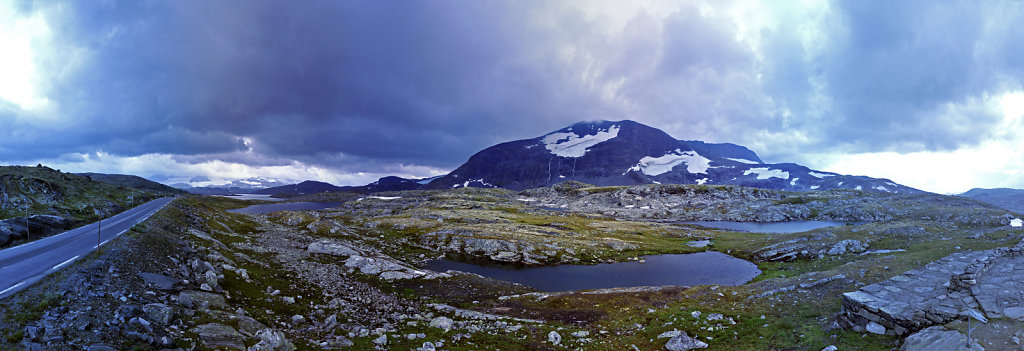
285, 206
767, 227
252, 197
703, 268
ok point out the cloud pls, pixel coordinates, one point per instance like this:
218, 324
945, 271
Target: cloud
369, 87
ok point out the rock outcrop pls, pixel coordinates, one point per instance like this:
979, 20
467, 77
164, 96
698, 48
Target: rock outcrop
957, 286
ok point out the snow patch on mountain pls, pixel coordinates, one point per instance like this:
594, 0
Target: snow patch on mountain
793, 182
766, 173
574, 145
820, 175
743, 160
695, 163
880, 188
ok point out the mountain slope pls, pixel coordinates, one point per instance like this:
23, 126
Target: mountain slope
628, 153
1010, 199
306, 187
131, 181
48, 201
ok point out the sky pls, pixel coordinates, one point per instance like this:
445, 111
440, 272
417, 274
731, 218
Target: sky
926, 93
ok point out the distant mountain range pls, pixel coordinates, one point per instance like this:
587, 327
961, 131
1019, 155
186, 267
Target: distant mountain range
618, 153
1010, 199
204, 186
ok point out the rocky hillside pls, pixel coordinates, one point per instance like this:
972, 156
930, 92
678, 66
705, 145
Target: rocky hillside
1010, 199
630, 153
131, 181
54, 201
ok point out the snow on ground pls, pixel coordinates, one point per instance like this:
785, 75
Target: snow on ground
743, 160
858, 188
814, 187
820, 175
1016, 222
702, 181
880, 188
765, 173
573, 145
379, 198
793, 182
480, 181
695, 163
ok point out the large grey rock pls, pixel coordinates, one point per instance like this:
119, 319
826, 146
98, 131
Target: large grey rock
159, 313
372, 266
875, 328
847, 246
554, 337
442, 323
249, 326
272, 340
938, 338
159, 281
331, 247
202, 300
214, 335
683, 342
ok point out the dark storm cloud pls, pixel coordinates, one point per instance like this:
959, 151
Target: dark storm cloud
368, 85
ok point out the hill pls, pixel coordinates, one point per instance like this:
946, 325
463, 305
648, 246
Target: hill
1010, 199
131, 181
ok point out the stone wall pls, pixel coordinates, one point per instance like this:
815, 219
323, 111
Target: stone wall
988, 281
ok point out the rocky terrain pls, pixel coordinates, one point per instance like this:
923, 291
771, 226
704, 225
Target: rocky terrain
49, 201
198, 277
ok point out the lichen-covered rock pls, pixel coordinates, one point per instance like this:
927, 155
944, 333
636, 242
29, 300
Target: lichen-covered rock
214, 335
683, 342
272, 340
159, 313
331, 247
938, 338
847, 246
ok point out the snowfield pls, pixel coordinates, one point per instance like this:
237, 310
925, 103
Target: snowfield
695, 163
766, 173
743, 160
574, 145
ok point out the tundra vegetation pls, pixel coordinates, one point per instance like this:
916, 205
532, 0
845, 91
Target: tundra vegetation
198, 276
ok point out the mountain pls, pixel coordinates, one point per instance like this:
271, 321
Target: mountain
131, 181
306, 187
205, 186
628, 153
1010, 199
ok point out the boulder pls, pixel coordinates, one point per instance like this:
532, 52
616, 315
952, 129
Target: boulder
331, 247
159, 313
272, 340
682, 342
938, 338
215, 335
847, 246
158, 281
202, 300
442, 323
554, 337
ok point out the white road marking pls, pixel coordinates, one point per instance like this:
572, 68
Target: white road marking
65, 262
11, 288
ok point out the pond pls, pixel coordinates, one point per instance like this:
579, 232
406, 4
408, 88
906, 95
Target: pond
701, 268
285, 206
767, 227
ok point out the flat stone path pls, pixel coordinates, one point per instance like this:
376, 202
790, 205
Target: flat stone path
990, 282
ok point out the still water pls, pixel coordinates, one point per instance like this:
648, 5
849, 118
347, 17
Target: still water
701, 268
285, 206
767, 227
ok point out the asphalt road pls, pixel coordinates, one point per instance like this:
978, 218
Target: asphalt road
23, 265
